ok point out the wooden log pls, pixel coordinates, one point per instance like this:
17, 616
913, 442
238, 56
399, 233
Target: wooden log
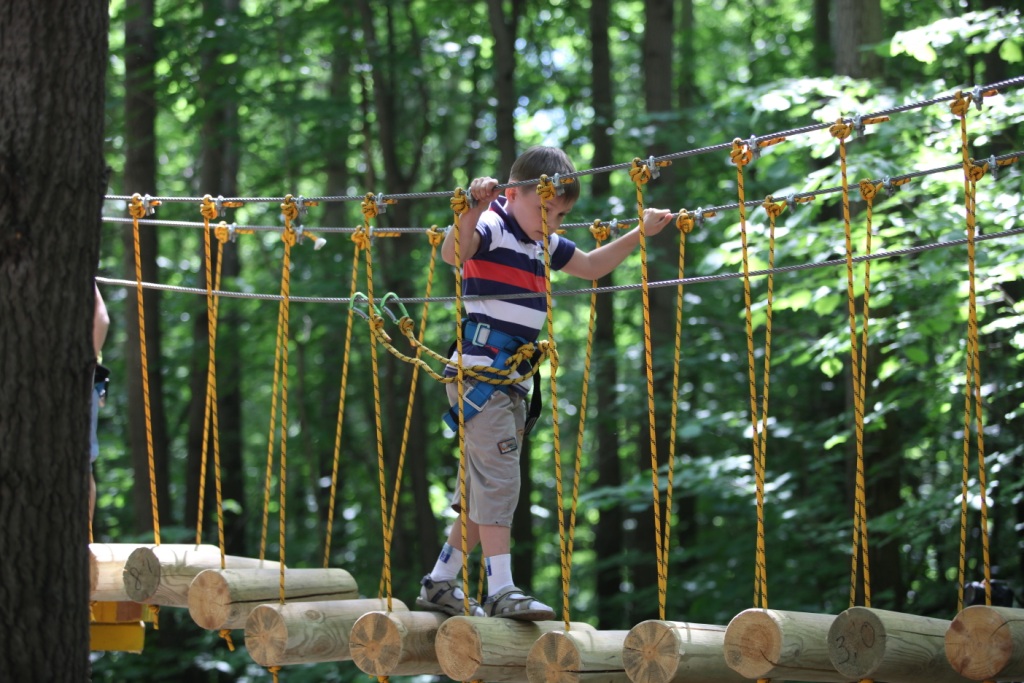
583, 656
162, 574
890, 646
306, 632
396, 643
106, 571
765, 643
223, 598
490, 649
675, 652
985, 643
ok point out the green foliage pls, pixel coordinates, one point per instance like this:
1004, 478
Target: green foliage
311, 89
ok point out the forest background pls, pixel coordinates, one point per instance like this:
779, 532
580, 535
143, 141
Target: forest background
256, 100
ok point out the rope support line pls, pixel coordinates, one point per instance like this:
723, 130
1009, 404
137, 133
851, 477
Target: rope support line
138, 208
977, 96
992, 164
972, 387
608, 289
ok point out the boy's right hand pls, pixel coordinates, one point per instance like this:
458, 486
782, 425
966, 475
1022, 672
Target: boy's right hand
484, 191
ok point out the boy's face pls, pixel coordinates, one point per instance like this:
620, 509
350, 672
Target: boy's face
524, 206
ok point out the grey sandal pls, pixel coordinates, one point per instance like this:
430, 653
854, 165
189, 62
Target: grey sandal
440, 596
513, 603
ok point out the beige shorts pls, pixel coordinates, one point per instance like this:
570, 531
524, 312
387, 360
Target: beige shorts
494, 437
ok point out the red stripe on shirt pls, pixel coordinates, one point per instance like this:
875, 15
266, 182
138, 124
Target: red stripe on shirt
488, 270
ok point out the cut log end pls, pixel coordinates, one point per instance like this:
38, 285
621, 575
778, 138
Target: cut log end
266, 635
209, 600
376, 644
980, 642
459, 649
753, 644
650, 653
856, 643
554, 659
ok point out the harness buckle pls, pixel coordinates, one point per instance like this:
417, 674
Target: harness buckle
481, 334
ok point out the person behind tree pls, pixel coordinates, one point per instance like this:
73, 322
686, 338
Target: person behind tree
501, 240
100, 325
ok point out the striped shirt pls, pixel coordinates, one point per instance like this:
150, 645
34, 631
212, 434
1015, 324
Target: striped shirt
507, 262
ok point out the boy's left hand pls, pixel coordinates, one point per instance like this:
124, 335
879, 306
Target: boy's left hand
656, 219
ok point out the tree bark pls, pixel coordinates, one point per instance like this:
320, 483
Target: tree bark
51, 165
608, 531
218, 177
858, 26
504, 27
140, 176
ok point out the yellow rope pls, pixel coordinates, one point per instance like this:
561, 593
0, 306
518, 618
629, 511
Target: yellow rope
138, 209
341, 408
460, 204
209, 211
290, 210
436, 238
640, 174
741, 155
546, 190
684, 223
370, 211
972, 388
859, 551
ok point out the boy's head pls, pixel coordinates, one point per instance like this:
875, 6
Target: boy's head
538, 161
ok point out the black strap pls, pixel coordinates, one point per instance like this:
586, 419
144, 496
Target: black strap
536, 401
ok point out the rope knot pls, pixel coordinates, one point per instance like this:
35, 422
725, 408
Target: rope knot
685, 222
369, 207
639, 173
435, 236
459, 201
548, 350
140, 207
740, 153
523, 353
868, 190
361, 239
208, 208
960, 104
222, 232
289, 209
976, 171
600, 231
773, 208
377, 325
546, 189
841, 129
406, 326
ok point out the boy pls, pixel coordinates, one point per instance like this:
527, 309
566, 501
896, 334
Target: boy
501, 242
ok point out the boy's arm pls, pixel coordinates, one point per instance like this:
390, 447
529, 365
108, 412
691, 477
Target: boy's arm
595, 264
484, 192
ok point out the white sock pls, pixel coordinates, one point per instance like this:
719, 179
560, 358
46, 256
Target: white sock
449, 564
499, 573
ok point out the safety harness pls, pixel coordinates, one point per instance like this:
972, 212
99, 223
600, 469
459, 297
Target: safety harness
505, 345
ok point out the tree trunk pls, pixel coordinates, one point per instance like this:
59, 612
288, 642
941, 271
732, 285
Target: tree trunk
687, 55
218, 177
608, 531
822, 51
504, 28
858, 28
657, 50
140, 176
51, 165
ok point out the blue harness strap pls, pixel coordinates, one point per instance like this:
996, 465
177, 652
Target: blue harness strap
482, 334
